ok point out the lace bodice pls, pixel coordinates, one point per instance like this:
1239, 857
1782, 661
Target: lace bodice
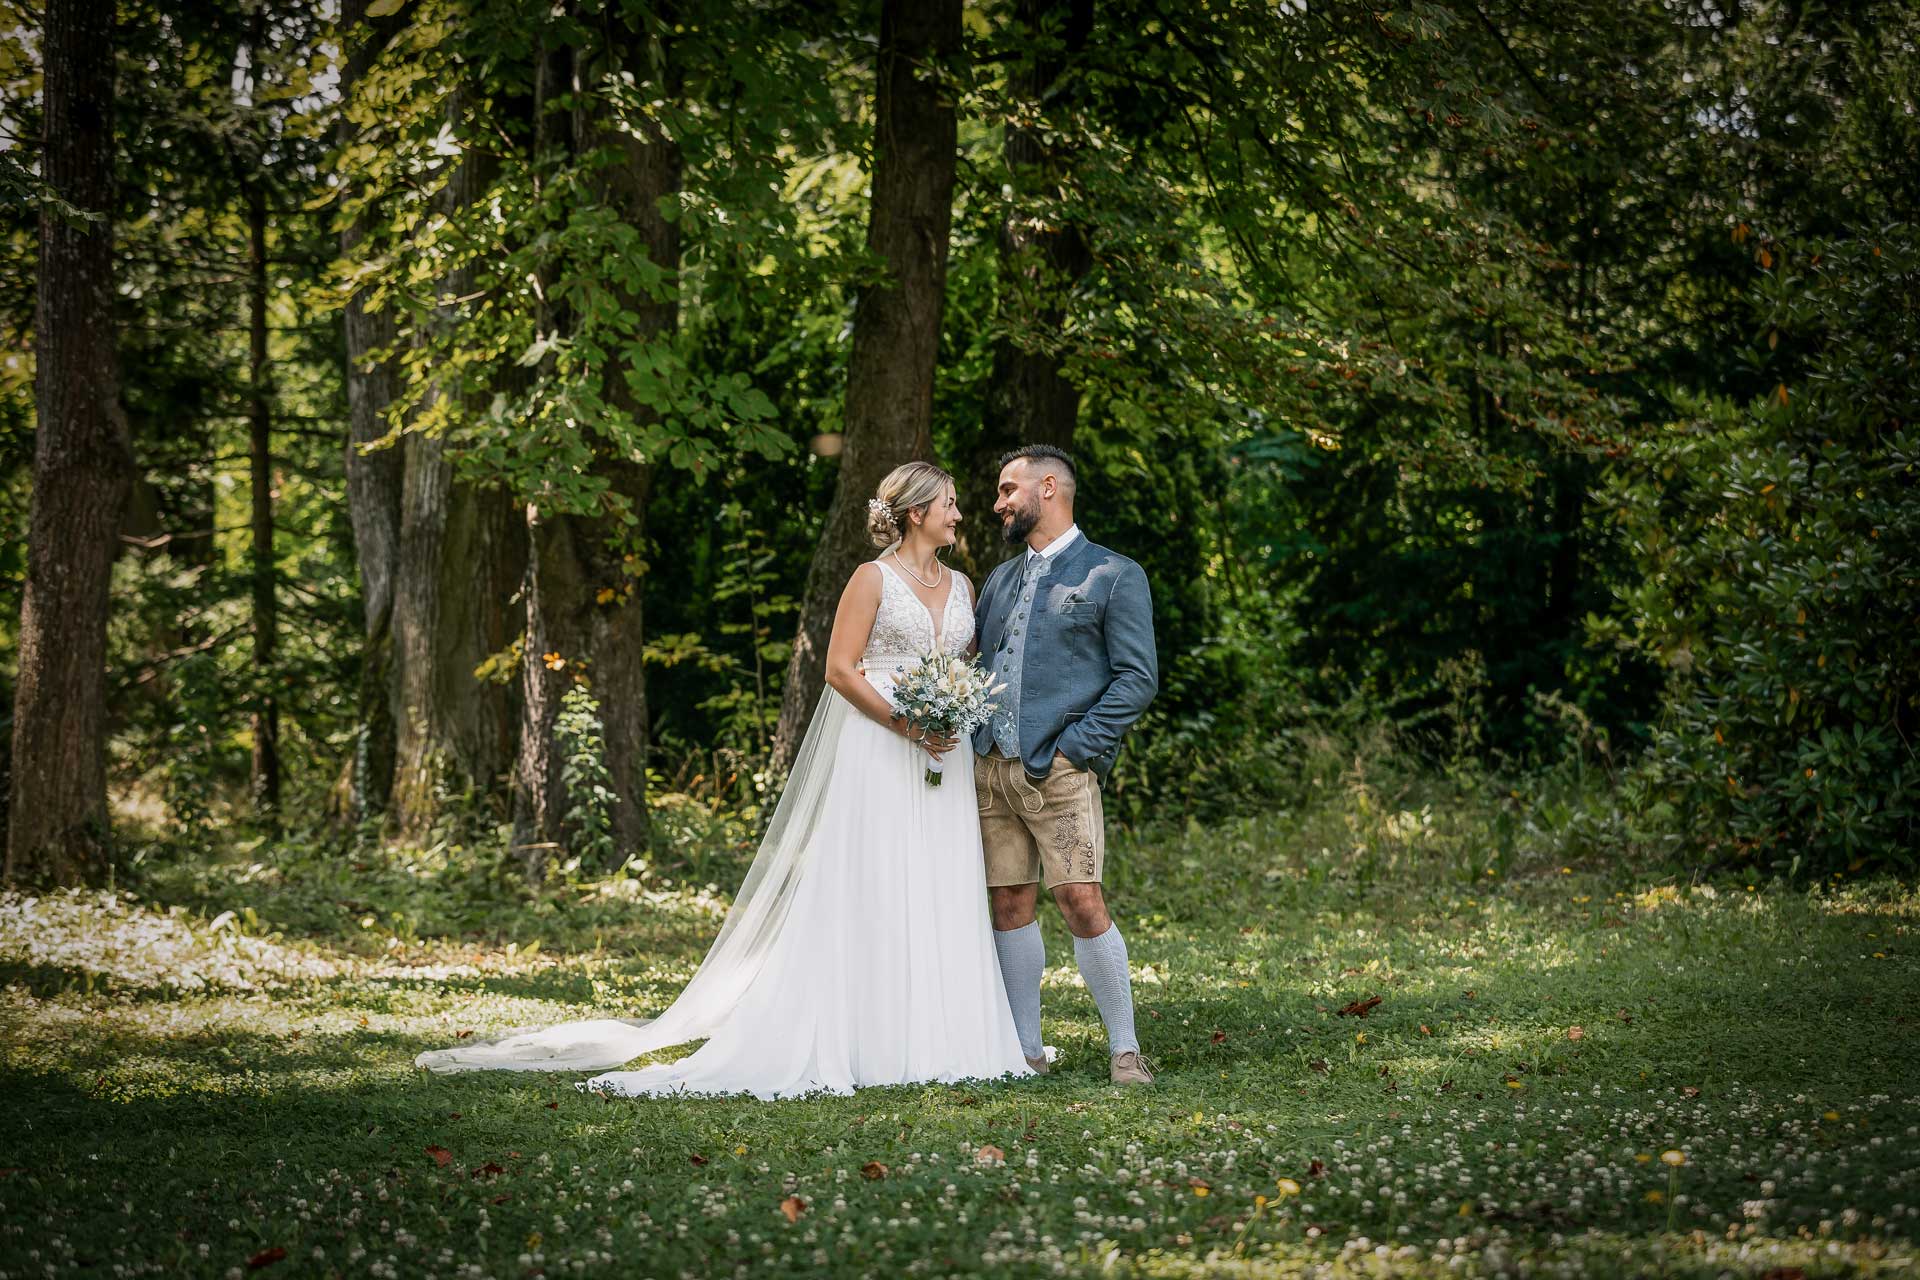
904, 626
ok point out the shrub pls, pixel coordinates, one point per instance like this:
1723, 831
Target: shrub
1777, 542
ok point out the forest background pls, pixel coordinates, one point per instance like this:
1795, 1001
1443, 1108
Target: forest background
448, 421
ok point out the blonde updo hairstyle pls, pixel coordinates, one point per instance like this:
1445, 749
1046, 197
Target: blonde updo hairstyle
912, 486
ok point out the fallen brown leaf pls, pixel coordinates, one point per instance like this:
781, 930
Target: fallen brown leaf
1218, 1037
1575, 1033
988, 1154
793, 1207
1316, 1169
266, 1258
1320, 1065
696, 1158
1360, 1008
487, 1170
873, 1171
441, 1156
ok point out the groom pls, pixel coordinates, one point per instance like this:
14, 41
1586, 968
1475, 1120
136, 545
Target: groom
1067, 626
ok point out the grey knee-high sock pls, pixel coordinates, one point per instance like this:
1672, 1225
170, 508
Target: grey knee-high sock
1023, 958
1103, 963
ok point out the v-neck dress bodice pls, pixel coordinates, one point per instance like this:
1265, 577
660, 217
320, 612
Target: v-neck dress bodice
904, 629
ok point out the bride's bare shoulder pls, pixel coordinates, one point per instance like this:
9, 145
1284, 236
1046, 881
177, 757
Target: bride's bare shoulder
864, 581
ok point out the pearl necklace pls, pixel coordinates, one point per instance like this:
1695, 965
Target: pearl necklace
939, 574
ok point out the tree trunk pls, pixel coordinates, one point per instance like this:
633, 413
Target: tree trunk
82, 470
584, 612
266, 709
373, 479
1042, 257
896, 326
462, 556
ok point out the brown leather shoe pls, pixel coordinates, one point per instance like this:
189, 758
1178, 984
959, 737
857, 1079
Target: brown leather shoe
1129, 1068
1038, 1064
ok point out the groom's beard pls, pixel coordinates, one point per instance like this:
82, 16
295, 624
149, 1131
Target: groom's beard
1024, 522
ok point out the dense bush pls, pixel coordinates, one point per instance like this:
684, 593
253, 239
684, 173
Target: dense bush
1778, 542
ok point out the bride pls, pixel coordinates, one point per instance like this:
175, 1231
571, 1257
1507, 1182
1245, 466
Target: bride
858, 950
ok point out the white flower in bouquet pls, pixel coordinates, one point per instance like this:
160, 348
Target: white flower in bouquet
945, 694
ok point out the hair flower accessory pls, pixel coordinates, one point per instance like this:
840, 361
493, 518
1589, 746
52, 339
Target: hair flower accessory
884, 509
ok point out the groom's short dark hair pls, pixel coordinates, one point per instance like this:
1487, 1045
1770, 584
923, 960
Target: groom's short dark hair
1059, 457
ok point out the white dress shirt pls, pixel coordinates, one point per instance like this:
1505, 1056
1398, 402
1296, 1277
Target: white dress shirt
1058, 545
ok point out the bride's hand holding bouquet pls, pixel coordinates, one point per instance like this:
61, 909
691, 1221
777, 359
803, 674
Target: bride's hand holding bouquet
946, 695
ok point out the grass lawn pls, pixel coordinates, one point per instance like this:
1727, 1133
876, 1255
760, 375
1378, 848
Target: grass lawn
198, 1093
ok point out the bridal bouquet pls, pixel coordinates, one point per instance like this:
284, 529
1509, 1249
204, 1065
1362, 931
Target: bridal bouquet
946, 694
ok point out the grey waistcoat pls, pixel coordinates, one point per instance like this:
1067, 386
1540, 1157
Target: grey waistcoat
1089, 667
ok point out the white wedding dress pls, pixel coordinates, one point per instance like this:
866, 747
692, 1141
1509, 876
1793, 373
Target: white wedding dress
859, 950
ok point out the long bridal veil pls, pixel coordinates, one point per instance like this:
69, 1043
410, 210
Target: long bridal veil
746, 938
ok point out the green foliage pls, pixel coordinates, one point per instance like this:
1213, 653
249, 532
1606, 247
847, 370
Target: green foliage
749, 587
1415, 362
543, 365
733, 679
208, 107
589, 791
1779, 546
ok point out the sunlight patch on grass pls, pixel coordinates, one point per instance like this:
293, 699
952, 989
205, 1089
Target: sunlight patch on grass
109, 936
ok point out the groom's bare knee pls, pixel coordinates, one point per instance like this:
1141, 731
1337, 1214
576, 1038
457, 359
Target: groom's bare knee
1085, 908
1013, 905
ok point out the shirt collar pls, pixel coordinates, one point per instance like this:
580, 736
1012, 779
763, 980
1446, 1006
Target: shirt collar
1058, 545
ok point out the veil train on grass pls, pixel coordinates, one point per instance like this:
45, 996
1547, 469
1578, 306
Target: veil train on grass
746, 938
